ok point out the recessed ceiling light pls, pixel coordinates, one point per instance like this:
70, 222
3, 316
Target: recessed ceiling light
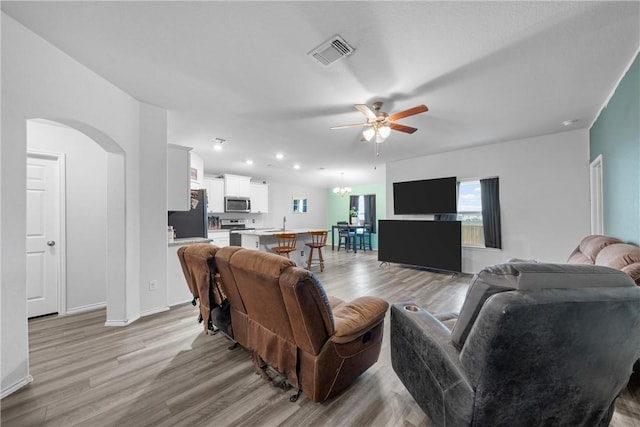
296, 166
279, 156
217, 147
249, 162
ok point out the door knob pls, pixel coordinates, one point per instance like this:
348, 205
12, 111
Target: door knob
51, 243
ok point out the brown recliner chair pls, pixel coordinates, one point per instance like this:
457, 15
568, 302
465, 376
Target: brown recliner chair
281, 313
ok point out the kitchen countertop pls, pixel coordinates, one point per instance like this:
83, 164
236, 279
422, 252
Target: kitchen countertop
272, 231
189, 240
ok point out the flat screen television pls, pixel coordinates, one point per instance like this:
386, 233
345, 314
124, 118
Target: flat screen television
427, 196
432, 244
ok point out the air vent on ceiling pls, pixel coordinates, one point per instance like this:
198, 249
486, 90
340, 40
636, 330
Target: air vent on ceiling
331, 50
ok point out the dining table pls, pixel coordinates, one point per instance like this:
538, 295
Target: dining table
351, 227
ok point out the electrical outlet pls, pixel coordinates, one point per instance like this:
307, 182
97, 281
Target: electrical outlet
153, 285
301, 253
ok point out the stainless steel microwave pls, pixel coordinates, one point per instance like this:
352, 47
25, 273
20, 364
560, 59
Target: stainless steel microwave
237, 204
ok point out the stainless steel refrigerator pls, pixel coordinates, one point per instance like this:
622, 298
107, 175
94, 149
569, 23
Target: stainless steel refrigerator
191, 223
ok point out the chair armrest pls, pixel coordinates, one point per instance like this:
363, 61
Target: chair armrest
420, 333
352, 319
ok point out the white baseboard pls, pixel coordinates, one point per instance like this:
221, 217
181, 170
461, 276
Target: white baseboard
154, 311
121, 322
16, 386
86, 308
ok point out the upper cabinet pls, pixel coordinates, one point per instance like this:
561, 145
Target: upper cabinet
215, 194
237, 186
178, 178
259, 197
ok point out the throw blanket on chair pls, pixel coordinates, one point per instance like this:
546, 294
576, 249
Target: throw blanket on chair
199, 268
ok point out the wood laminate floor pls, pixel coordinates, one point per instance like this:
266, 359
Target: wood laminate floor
163, 371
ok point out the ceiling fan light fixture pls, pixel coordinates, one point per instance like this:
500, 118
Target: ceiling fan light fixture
384, 131
368, 133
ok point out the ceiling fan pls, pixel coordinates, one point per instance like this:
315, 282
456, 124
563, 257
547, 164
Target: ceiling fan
379, 124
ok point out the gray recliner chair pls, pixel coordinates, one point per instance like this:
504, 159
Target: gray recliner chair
534, 344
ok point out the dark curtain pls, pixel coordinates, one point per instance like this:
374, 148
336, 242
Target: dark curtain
490, 192
370, 211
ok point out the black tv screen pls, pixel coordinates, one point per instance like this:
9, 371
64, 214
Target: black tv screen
427, 196
431, 244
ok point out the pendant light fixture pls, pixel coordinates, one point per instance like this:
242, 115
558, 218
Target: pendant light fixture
342, 190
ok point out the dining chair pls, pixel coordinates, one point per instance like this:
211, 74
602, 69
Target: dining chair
286, 243
318, 241
346, 236
364, 237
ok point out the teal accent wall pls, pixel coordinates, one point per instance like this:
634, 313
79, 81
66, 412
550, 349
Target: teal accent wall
616, 135
338, 207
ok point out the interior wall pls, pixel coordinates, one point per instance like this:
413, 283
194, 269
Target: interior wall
338, 207
281, 204
544, 193
40, 81
153, 208
616, 135
86, 207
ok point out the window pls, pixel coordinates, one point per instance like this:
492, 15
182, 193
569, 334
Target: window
365, 206
470, 213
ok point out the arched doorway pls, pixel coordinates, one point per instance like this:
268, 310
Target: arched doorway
108, 203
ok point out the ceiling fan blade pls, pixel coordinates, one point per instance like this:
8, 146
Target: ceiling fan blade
358, 125
410, 112
364, 109
402, 128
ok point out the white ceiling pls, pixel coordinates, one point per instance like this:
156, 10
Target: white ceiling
489, 72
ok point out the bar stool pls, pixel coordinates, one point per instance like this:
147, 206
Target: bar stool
318, 241
286, 243
345, 235
364, 237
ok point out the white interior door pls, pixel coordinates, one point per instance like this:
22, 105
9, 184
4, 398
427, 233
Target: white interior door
43, 234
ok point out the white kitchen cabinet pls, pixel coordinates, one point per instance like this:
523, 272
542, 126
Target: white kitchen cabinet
178, 178
237, 186
215, 194
219, 238
259, 197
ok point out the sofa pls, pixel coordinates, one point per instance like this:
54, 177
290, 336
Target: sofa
534, 344
282, 315
609, 252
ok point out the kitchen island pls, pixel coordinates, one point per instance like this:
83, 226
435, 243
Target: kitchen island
264, 240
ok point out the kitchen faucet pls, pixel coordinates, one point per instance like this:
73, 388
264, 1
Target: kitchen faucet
284, 223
